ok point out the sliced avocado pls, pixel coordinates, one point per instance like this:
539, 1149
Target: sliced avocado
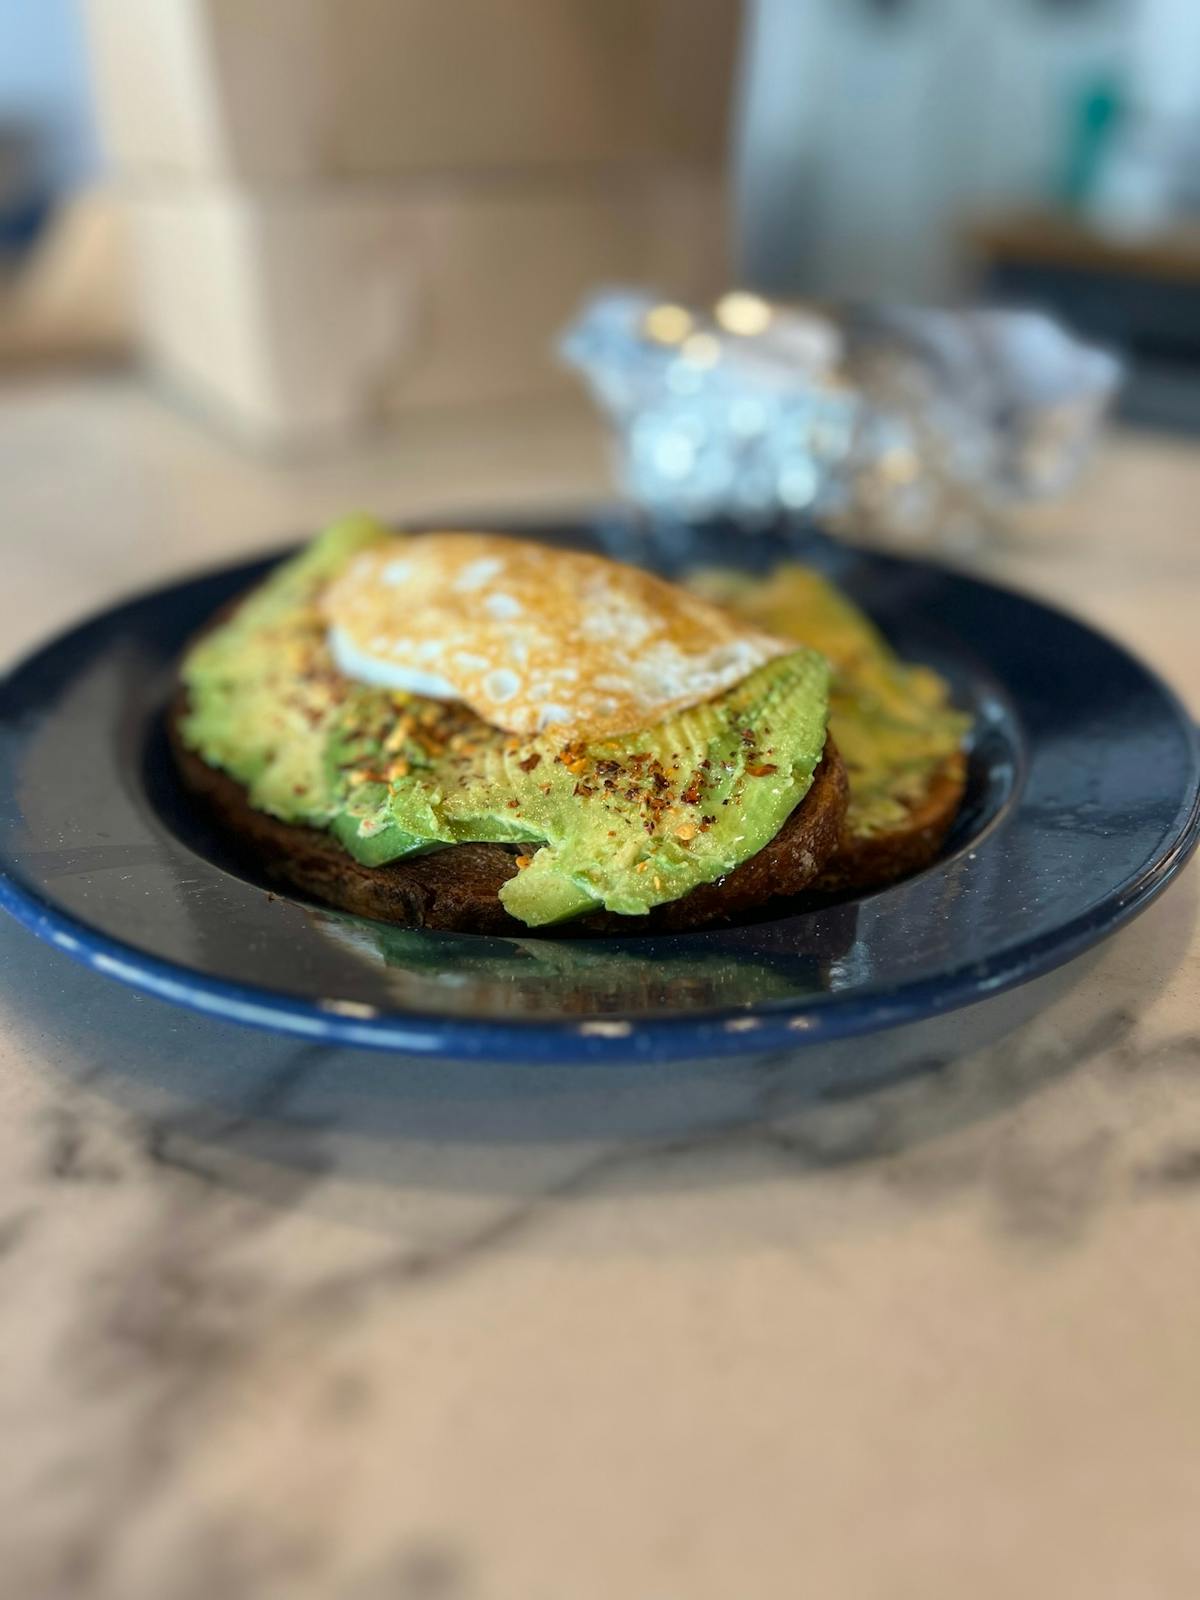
891, 721
625, 823
261, 688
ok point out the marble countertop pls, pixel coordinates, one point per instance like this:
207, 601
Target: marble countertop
282, 1321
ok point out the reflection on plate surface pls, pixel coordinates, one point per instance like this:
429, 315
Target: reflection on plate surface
594, 977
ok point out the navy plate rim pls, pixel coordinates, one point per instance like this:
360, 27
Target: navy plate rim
735, 1031
763, 1026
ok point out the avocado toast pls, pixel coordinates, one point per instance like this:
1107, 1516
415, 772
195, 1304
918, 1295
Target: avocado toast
902, 742
413, 808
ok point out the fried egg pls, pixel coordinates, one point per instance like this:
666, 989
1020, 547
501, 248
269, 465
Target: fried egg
532, 637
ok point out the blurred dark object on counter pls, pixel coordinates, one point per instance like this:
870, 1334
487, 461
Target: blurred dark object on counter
1135, 292
24, 192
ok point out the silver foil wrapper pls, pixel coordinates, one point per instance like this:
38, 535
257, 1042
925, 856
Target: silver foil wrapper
900, 425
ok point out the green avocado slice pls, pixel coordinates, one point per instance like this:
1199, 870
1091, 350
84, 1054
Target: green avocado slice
622, 823
625, 823
892, 721
262, 689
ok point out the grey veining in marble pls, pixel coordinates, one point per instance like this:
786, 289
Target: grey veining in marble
202, 1223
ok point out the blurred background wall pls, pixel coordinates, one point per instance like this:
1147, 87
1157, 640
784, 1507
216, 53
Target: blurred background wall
871, 129
328, 212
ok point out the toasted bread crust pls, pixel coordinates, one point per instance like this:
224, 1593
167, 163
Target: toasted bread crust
870, 862
458, 888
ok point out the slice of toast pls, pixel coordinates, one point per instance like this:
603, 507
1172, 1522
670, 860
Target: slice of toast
458, 888
871, 860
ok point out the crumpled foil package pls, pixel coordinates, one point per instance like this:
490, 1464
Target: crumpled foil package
894, 424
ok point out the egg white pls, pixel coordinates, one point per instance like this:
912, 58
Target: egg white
367, 668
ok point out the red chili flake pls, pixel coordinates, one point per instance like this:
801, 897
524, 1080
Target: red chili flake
691, 795
762, 769
529, 762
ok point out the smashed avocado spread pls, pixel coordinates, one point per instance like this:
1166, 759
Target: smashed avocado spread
625, 823
892, 722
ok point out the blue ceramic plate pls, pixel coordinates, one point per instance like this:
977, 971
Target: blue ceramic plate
1081, 806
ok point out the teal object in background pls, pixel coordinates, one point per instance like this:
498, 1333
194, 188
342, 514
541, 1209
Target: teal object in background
1096, 114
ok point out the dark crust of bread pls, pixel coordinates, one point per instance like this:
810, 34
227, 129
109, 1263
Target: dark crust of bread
871, 862
457, 889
